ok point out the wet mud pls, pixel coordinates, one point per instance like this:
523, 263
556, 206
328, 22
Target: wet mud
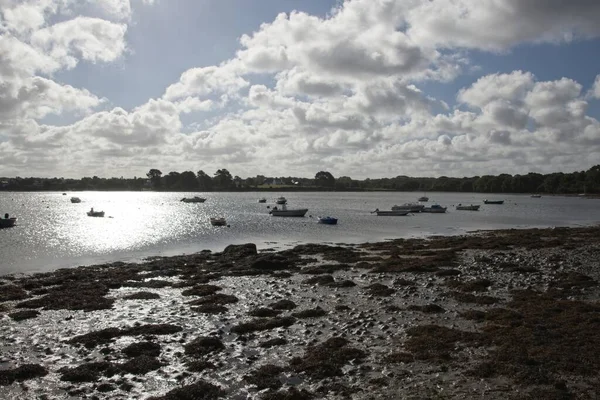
508, 314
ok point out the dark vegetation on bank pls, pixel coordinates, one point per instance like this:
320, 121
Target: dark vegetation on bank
515, 309
579, 182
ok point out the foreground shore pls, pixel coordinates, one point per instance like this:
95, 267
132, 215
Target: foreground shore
508, 314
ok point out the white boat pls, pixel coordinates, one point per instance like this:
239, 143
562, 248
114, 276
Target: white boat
391, 213
285, 212
435, 209
281, 200
411, 207
219, 221
469, 207
194, 199
536, 196
93, 213
75, 200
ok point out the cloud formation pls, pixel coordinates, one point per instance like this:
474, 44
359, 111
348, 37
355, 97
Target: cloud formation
344, 93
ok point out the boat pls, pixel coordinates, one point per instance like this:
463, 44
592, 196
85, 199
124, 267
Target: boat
281, 200
284, 212
194, 199
75, 200
7, 222
391, 213
468, 208
423, 199
536, 196
219, 221
328, 220
486, 201
435, 209
93, 213
263, 200
411, 207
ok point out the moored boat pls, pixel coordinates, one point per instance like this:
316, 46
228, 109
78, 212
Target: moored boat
435, 209
411, 207
262, 200
93, 213
75, 200
194, 199
472, 207
218, 221
285, 212
536, 196
423, 199
7, 222
390, 213
281, 200
486, 201
328, 220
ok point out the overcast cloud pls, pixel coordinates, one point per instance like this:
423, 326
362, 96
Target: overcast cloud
369, 88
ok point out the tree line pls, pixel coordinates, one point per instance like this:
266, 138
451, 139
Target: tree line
222, 180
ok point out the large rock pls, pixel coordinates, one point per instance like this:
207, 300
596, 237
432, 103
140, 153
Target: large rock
240, 250
271, 262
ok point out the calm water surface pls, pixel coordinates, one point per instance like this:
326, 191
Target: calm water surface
52, 232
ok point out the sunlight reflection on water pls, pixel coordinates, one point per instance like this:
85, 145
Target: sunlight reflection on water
53, 232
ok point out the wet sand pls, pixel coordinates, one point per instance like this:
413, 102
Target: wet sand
509, 314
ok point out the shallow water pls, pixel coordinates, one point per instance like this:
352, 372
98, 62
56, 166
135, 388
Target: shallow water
52, 232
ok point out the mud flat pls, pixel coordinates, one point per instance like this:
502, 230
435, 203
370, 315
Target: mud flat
510, 314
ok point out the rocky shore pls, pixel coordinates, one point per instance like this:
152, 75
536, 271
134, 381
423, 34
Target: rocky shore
510, 314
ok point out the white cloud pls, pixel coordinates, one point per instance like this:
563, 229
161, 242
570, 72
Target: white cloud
207, 80
595, 90
501, 24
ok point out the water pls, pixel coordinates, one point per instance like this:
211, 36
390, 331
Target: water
52, 232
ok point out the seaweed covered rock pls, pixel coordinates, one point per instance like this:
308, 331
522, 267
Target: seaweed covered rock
22, 373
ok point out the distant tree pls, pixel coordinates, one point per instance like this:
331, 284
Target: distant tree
154, 175
223, 179
188, 180
205, 182
324, 179
173, 180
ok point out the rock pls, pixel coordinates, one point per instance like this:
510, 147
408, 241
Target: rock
270, 262
240, 250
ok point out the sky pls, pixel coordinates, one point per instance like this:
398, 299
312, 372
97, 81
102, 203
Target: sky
359, 88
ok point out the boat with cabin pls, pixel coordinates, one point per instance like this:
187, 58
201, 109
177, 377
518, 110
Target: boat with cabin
472, 207
8, 221
435, 209
281, 200
285, 212
93, 213
75, 200
262, 200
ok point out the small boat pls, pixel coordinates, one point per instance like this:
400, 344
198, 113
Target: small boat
263, 200
220, 221
435, 209
93, 213
391, 213
468, 208
411, 207
486, 201
328, 220
423, 199
194, 199
536, 196
7, 222
75, 200
281, 200
284, 212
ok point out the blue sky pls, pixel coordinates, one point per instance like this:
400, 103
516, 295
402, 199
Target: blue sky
359, 88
